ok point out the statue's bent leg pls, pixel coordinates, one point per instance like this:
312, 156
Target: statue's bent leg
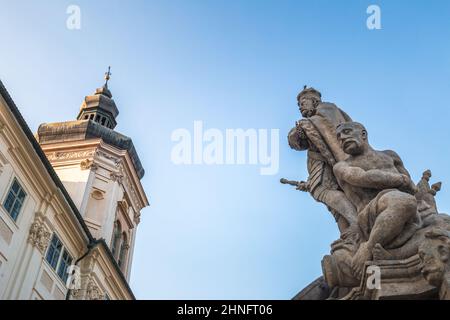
395, 209
409, 249
392, 211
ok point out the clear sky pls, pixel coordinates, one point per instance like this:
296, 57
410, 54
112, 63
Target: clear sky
227, 232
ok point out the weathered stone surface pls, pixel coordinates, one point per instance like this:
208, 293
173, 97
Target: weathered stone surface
317, 134
386, 220
434, 251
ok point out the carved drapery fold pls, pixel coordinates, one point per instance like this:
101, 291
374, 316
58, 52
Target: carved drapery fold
88, 164
115, 176
39, 235
93, 291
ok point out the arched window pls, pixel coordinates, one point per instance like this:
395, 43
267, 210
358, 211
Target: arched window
117, 234
123, 252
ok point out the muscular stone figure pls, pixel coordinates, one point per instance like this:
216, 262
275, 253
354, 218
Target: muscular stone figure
379, 186
316, 132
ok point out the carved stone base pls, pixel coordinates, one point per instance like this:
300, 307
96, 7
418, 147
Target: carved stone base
400, 279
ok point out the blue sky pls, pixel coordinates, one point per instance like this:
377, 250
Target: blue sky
226, 232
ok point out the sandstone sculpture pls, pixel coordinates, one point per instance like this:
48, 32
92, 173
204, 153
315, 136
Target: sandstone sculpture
385, 220
316, 133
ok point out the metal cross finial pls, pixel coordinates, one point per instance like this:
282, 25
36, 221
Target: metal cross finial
108, 75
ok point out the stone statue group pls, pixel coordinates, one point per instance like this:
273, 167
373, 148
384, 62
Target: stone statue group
384, 218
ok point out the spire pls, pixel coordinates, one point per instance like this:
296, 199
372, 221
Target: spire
104, 89
107, 76
100, 107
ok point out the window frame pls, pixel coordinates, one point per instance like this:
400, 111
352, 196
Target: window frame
50, 246
123, 251
116, 239
67, 263
6, 195
63, 250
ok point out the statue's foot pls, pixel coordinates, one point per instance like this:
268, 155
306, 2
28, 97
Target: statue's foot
363, 254
380, 253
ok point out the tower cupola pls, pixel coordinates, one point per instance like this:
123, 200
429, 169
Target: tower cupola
100, 107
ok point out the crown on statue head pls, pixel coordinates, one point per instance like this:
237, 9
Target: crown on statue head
309, 92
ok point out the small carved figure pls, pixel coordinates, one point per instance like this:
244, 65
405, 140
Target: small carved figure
426, 194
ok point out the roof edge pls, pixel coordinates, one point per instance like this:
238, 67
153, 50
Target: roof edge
37, 148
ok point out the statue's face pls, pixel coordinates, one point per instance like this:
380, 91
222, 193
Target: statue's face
427, 175
352, 137
307, 107
434, 254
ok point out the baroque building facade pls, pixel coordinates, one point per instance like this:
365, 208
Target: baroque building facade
71, 198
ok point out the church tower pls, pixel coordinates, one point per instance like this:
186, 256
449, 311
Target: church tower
101, 170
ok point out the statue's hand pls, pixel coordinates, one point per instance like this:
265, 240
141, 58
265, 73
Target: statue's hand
302, 186
408, 185
300, 131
